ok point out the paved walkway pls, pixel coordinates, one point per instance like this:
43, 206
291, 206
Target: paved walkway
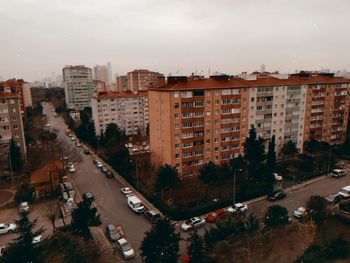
6, 196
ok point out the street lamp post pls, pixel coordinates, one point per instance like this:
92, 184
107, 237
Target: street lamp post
234, 184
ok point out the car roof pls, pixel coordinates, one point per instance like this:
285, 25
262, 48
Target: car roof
122, 241
347, 188
152, 212
24, 203
2, 225
338, 170
111, 227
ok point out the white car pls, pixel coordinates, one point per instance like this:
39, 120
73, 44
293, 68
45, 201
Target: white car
238, 207
23, 207
126, 191
300, 212
71, 169
125, 248
194, 222
73, 139
78, 144
99, 164
7, 228
277, 177
36, 239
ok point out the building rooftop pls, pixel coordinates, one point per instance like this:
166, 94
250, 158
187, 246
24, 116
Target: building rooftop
77, 67
111, 95
43, 174
245, 81
8, 95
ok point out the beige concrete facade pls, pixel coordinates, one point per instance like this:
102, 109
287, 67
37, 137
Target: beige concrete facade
195, 121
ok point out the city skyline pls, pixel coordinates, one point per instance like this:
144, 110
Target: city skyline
174, 37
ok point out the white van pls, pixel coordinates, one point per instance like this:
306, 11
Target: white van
338, 173
345, 192
135, 204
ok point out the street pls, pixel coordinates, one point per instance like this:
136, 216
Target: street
111, 203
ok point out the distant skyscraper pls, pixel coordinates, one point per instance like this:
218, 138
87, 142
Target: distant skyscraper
262, 68
101, 73
109, 68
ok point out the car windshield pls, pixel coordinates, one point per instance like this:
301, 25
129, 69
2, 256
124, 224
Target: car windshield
137, 205
125, 246
188, 222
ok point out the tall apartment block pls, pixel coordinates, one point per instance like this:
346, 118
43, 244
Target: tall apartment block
78, 86
122, 83
128, 110
143, 79
195, 121
11, 126
20, 87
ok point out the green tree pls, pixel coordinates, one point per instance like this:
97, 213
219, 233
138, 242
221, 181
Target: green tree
337, 248
276, 215
270, 164
15, 159
23, 249
238, 163
208, 174
254, 154
161, 243
289, 149
167, 176
196, 250
311, 146
83, 217
24, 193
317, 208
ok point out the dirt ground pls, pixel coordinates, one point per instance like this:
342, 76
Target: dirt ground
283, 245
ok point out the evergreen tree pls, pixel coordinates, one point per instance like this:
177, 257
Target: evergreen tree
196, 250
15, 156
289, 149
161, 243
270, 164
23, 249
276, 215
208, 174
167, 176
83, 217
254, 154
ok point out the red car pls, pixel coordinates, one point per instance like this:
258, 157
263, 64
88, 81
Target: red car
217, 214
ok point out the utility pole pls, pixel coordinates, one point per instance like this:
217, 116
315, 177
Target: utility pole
234, 184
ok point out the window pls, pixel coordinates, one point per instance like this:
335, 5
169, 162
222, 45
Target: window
176, 115
177, 156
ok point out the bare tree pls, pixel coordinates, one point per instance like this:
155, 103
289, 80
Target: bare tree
52, 213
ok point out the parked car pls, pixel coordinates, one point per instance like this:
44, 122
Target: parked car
71, 168
70, 135
238, 208
152, 215
194, 222
104, 169
337, 173
36, 239
125, 248
88, 196
109, 174
126, 191
112, 233
73, 138
135, 204
333, 199
276, 195
99, 164
78, 144
216, 215
86, 151
7, 228
277, 177
345, 192
300, 212
23, 207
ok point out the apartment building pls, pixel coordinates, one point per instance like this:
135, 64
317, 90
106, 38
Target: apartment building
194, 121
11, 126
128, 110
78, 86
20, 87
122, 83
143, 79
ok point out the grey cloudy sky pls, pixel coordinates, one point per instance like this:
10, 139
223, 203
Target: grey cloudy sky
41, 36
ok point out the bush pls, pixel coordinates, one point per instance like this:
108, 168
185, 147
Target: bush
25, 193
276, 215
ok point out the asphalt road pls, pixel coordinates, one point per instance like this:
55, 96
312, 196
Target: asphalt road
110, 202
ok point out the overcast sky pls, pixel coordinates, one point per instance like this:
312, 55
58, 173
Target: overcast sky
41, 36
